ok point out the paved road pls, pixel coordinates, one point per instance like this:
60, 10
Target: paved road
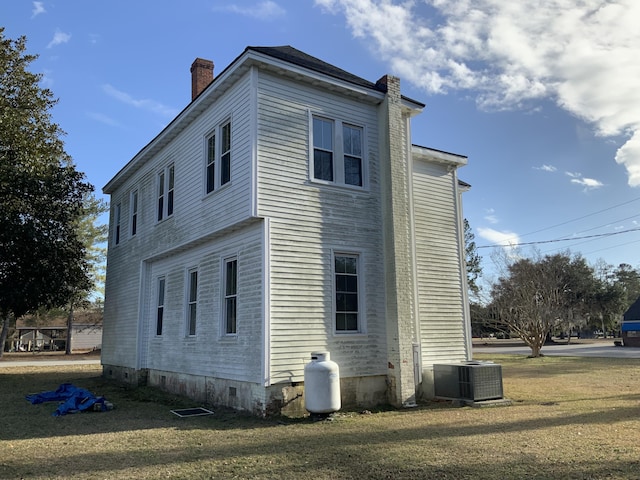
596, 349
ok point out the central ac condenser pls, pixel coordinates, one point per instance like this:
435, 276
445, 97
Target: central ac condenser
475, 381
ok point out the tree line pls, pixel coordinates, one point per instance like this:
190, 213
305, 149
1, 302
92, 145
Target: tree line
537, 296
50, 253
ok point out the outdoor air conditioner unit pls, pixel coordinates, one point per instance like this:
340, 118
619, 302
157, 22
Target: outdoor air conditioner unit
474, 381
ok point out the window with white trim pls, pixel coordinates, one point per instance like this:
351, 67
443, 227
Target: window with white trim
117, 217
347, 293
218, 153
133, 228
338, 152
230, 300
166, 181
192, 301
160, 305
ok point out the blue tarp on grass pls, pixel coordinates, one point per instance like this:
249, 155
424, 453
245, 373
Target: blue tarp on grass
74, 399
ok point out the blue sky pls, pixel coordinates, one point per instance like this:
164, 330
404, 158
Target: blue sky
543, 101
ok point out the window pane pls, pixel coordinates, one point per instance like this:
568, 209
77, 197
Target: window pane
160, 207
346, 292
193, 286
170, 203
192, 319
323, 134
232, 269
211, 160
171, 177
323, 165
225, 174
230, 308
159, 320
350, 265
353, 171
211, 177
352, 139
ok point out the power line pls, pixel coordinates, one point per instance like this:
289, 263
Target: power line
610, 234
567, 222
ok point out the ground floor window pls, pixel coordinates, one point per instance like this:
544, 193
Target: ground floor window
346, 289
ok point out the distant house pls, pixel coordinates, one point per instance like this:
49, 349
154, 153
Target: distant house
285, 211
631, 325
51, 334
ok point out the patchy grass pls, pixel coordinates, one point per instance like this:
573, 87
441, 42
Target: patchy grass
572, 418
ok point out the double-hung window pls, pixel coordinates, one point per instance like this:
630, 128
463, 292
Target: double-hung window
347, 293
133, 228
337, 152
160, 305
230, 300
218, 153
192, 301
166, 181
117, 218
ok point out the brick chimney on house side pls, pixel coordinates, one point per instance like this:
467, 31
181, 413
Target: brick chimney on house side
201, 76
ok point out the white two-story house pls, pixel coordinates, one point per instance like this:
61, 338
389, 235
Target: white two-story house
285, 211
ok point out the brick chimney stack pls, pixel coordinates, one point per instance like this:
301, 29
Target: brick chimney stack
201, 76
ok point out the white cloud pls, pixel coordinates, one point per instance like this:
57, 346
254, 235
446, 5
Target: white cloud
491, 216
38, 8
144, 104
582, 55
496, 237
265, 10
59, 37
99, 117
546, 168
587, 183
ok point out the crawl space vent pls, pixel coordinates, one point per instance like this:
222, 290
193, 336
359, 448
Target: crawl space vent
192, 412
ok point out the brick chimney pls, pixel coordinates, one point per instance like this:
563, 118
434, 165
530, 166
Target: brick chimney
201, 76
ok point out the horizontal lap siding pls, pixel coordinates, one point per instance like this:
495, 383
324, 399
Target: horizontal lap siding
307, 221
194, 215
438, 264
209, 352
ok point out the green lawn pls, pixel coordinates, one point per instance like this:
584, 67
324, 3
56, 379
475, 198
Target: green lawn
571, 418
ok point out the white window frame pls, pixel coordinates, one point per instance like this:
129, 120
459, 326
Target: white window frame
161, 295
134, 217
219, 155
338, 152
165, 198
360, 273
191, 302
228, 296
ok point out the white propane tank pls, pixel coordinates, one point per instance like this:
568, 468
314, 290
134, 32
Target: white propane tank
321, 384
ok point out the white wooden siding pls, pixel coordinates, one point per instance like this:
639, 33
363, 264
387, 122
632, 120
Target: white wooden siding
195, 215
209, 352
438, 267
307, 221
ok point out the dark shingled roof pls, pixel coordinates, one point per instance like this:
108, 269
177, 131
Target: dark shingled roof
289, 54
634, 312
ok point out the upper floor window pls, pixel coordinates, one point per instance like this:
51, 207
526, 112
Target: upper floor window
218, 148
337, 152
133, 228
347, 293
166, 181
117, 216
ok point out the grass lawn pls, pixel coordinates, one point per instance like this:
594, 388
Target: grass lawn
571, 418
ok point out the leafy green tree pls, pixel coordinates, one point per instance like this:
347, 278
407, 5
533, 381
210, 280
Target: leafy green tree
93, 237
538, 295
628, 279
42, 197
472, 261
